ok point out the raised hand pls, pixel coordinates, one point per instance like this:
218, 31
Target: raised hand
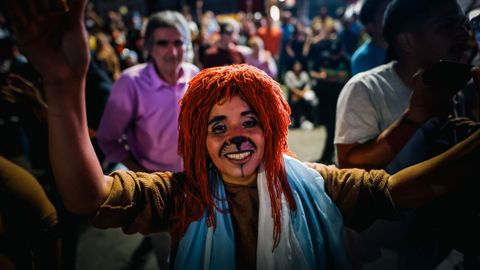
23, 93
53, 37
427, 102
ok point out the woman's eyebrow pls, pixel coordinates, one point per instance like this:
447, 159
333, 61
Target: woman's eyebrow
248, 112
217, 118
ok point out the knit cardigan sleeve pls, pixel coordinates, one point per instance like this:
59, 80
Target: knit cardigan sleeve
362, 196
138, 202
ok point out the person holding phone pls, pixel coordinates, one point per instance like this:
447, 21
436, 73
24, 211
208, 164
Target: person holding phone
380, 112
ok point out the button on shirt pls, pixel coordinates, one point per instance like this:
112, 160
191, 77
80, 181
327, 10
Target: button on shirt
141, 118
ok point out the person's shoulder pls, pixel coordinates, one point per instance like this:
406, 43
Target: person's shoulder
132, 75
189, 67
383, 69
136, 68
362, 54
261, 31
135, 71
212, 50
361, 50
299, 166
366, 81
377, 73
243, 50
290, 74
299, 173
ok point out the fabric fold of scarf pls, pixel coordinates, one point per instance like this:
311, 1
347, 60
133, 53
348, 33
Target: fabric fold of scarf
311, 237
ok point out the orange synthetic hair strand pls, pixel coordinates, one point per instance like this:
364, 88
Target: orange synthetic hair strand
212, 86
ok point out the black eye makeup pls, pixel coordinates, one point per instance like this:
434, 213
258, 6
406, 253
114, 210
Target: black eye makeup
219, 124
216, 125
218, 128
250, 123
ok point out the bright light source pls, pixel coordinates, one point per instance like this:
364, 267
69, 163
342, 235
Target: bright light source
274, 13
349, 12
123, 10
473, 13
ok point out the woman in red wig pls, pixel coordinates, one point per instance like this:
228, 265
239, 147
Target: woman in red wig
242, 200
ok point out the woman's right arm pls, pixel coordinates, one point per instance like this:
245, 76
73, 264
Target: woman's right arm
54, 39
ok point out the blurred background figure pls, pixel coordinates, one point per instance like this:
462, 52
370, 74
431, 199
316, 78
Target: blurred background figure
296, 46
372, 52
261, 58
225, 51
271, 35
329, 71
107, 57
301, 98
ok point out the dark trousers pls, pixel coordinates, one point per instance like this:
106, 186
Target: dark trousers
327, 93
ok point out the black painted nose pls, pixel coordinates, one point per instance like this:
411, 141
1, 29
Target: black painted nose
238, 141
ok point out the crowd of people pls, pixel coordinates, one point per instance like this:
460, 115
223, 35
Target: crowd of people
324, 46
188, 119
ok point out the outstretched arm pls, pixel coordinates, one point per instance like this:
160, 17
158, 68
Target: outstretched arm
411, 187
53, 37
414, 186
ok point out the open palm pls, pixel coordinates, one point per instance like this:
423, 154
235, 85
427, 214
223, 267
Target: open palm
53, 37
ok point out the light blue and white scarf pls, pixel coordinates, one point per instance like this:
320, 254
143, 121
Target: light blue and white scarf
311, 237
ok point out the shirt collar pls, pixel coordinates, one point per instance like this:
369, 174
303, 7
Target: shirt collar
159, 83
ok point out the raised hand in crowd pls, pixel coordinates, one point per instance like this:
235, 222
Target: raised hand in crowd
20, 91
53, 37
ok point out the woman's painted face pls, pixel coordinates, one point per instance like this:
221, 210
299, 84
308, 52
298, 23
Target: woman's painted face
235, 141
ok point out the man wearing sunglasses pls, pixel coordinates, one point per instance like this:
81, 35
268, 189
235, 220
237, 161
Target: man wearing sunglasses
139, 127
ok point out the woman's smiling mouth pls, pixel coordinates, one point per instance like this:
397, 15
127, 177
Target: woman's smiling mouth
239, 156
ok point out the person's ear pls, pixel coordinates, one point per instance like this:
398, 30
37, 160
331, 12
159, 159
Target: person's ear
406, 42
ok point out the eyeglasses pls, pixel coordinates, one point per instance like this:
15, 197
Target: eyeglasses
165, 43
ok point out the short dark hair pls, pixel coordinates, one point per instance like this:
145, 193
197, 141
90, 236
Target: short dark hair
226, 28
369, 10
406, 15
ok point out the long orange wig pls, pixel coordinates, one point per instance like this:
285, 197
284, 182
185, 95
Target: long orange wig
212, 86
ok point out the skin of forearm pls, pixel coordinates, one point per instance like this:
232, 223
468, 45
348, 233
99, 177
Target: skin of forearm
419, 184
297, 91
380, 151
316, 75
77, 171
